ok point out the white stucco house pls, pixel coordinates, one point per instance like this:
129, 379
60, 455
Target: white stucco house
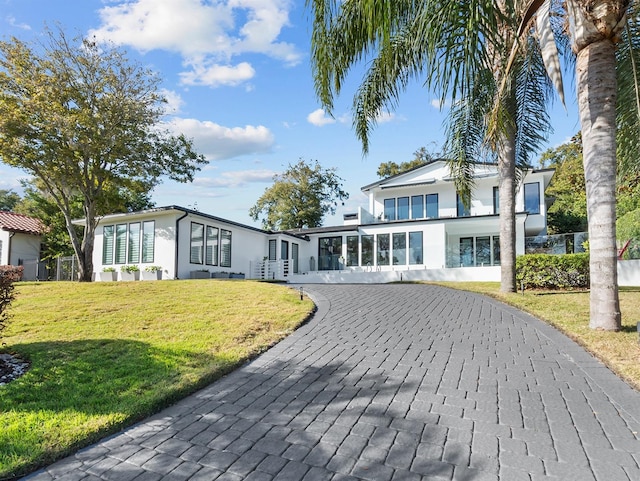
414, 227
20, 243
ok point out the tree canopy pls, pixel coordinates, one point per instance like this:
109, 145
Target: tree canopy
300, 197
86, 122
420, 158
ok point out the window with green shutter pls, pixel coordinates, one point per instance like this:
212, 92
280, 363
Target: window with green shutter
134, 243
107, 244
121, 244
148, 240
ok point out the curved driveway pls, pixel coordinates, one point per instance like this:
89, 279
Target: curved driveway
391, 382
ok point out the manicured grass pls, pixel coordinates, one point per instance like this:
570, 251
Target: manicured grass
569, 312
104, 355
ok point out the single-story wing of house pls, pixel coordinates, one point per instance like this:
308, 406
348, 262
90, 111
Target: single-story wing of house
20, 243
416, 226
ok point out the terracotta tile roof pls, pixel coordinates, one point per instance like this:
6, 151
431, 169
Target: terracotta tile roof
13, 222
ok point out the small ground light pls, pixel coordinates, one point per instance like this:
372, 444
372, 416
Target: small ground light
301, 294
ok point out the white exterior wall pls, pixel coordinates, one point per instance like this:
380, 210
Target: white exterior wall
164, 245
5, 237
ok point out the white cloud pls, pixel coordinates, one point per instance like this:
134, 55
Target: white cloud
385, 117
217, 142
237, 178
319, 118
11, 20
439, 104
217, 75
206, 34
174, 101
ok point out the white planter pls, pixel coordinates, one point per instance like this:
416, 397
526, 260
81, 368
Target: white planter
151, 276
107, 276
129, 276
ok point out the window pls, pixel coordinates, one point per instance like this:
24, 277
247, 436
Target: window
294, 257
211, 247
107, 244
432, 206
148, 240
352, 250
403, 208
225, 248
272, 249
532, 197
330, 250
121, 244
483, 251
417, 207
366, 250
496, 250
284, 250
463, 205
134, 243
496, 199
390, 209
415, 248
383, 249
399, 248
466, 251
197, 243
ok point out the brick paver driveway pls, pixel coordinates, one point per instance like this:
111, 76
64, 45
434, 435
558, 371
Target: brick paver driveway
391, 382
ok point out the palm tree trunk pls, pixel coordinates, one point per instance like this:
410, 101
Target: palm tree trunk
596, 83
507, 172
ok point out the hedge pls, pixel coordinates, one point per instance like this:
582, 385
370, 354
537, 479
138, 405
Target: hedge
547, 271
8, 275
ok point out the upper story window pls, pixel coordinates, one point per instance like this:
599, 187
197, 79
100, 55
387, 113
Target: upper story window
532, 197
403, 208
463, 206
432, 206
390, 209
496, 199
417, 207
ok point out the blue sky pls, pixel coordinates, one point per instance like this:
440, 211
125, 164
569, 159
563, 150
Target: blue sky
238, 80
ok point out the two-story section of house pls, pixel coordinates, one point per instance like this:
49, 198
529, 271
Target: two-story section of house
417, 221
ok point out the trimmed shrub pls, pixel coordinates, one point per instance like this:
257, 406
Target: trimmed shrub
8, 275
546, 271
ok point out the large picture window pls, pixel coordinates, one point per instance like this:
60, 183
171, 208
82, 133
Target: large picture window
211, 247
532, 198
366, 250
399, 248
121, 244
432, 206
352, 250
330, 250
463, 204
383, 249
197, 243
225, 248
417, 207
134, 243
415, 248
483, 251
390, 209
107, 244
403, 208
466, 252
148, 240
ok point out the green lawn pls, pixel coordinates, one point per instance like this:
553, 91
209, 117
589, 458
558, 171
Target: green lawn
569, 312
104, 355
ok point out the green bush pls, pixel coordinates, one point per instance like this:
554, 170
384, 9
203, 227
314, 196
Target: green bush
8, 275
546, 271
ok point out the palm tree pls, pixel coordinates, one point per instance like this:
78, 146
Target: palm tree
460, 49
596, 28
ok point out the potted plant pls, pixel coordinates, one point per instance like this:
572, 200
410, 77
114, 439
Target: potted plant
108, 274
152, 273
220, 275
129, 273
236, 275
200, 274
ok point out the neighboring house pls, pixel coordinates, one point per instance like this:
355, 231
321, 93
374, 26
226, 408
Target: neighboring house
20, 243
415, 226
